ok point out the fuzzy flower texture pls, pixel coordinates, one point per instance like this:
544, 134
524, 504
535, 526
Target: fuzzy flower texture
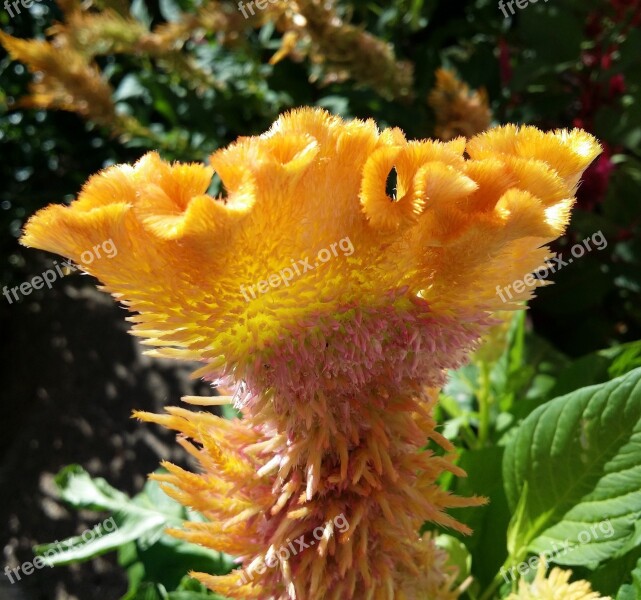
333, 308
556, 586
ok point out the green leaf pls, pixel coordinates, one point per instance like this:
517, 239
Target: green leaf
632, 591
139, 11
599, 367
148, 591
191, 596
458, 555
168, 561
100, 539
557, 376
516, 524
130, 87
170, 10
487, 543
143, 518
229, 412
609, 577
156, 563
81, 491
575, 459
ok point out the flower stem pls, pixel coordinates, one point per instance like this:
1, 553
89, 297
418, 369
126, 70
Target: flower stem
485, 403
496, 582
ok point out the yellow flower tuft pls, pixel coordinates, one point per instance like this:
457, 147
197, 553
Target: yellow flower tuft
556, 586
69, 81
458, 111
340, 50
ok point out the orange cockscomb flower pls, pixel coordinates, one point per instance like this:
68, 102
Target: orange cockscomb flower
334, 309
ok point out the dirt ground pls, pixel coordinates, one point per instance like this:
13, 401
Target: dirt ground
71, 376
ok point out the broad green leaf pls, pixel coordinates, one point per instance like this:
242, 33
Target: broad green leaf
632, 591
599, 367
100, 540
168, 560
591, 369
516, 523
609, 577
80, 490
487, 543
163, 568
576, 457
156, 563
143, 518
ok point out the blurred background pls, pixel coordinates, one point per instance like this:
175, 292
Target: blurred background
84, 85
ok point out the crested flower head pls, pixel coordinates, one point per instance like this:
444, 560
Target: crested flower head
556, 585
334, 300
310, 254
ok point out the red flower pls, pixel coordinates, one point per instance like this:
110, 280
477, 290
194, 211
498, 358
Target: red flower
617, 85
595, 181
504, 62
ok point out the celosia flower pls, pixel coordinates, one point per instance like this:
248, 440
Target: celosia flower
68, 80
555, 586
340, 50
332, 307
458, 110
